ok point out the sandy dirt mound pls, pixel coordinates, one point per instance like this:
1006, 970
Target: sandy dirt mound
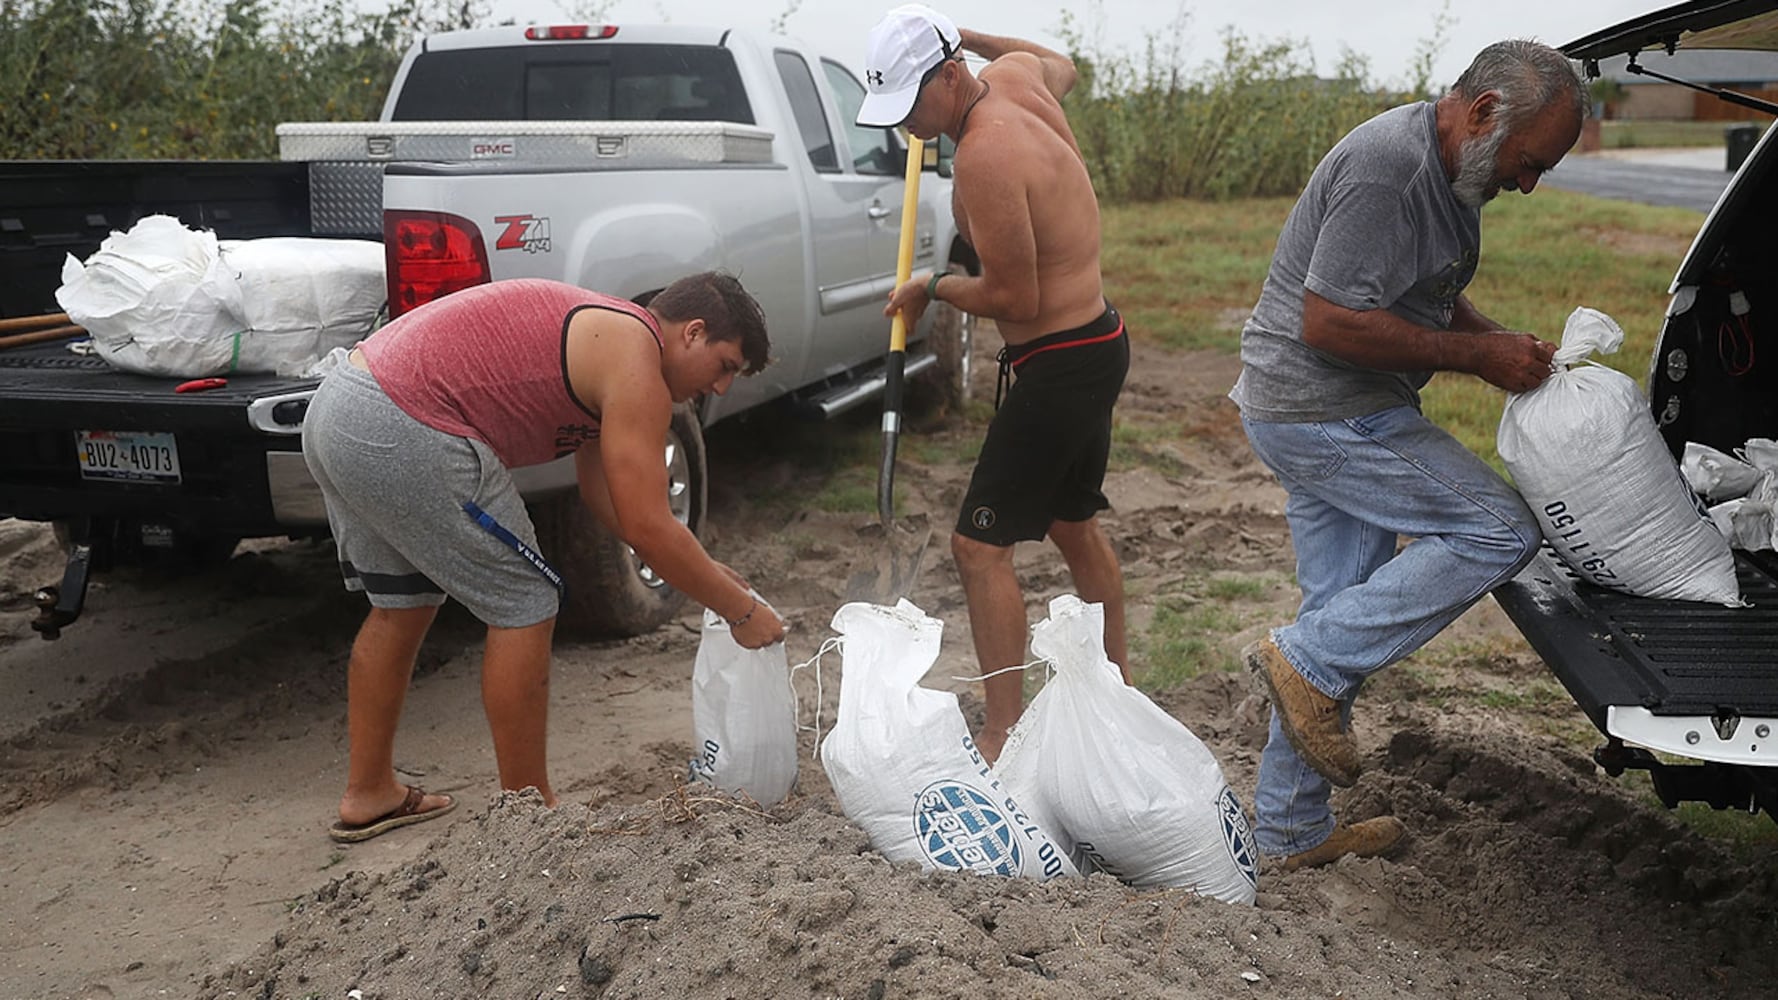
1524, 879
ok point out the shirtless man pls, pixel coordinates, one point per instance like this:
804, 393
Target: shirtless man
1024, 200
411, 441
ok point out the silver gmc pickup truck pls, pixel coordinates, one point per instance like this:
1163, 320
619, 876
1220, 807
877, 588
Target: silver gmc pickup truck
617, 157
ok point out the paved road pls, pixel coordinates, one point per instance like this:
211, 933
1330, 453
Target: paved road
1686, 178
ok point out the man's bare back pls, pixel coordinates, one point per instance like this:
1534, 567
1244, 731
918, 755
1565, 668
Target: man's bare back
1016, 156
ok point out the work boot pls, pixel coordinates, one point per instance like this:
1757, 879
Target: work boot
1366, 838
1310, 719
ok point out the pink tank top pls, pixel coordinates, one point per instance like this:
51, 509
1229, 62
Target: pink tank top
490, 363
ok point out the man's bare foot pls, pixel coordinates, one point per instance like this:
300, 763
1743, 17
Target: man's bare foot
412, 808
356, 810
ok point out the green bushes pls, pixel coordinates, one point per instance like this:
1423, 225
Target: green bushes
198, 79
1253, 124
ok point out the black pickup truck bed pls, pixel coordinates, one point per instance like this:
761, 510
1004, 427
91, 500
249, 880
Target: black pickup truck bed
1704, 672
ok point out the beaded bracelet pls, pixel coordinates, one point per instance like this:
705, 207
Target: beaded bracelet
744, 619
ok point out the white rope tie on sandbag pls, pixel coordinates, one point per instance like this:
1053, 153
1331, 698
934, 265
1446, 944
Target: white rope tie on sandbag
828, 645
1004, 670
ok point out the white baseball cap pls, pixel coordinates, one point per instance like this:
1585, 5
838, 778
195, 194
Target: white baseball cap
905, 44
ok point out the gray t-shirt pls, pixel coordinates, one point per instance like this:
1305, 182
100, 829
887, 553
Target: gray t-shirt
1378, 227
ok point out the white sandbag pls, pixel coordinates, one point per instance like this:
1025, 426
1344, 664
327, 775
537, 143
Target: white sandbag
1129, 785
743, 716
156, 300
1750, 521
1761, 453
302, 297
1714, 475
902, 763
1747, 524
162, 299
1584, 451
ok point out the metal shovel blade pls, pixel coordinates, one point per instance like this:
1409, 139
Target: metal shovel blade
900, 548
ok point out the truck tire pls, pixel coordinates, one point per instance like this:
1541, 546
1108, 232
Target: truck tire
609, 591
952, 340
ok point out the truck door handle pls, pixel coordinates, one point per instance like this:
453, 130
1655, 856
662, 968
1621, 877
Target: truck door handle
877, 212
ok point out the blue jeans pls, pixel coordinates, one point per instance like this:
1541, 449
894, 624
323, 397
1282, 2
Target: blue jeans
1355, 486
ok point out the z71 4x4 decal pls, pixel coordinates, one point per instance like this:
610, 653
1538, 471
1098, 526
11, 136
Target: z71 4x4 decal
523, 232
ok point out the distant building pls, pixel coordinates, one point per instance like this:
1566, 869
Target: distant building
1644, 98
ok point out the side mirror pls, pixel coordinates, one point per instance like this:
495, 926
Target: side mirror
939, 155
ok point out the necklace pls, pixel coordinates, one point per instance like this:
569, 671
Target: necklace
977, 99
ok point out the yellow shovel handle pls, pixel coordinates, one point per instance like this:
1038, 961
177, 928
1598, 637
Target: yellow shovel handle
904, 259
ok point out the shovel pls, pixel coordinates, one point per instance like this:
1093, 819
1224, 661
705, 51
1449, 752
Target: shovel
903, 545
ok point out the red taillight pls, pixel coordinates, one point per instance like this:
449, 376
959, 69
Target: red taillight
430, 255
569, 32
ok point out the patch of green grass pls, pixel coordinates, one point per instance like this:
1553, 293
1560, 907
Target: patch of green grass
1181, 271
1537, 695
1572, 731
1485, 654
849, 490
1236, 588
333, 859
943, 449
1180, 644
1138, 445
1184, 636
1621, 134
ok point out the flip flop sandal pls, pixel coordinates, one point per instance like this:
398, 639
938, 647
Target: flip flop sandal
406, 814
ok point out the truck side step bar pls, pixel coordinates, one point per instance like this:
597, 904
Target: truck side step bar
835, 400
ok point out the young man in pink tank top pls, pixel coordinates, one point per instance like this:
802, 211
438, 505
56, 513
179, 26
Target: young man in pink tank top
411, 442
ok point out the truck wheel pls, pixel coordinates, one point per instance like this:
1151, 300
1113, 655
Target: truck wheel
610, 592
953, 338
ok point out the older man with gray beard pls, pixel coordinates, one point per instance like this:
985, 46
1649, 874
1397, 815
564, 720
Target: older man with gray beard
1363, 302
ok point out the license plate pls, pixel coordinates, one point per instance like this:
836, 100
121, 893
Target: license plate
133, 455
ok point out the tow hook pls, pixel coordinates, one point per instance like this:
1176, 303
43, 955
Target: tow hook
58, 607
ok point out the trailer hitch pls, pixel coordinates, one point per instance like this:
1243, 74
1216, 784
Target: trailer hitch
58, 607
1718, 785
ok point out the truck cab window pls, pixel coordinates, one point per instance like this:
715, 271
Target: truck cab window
874, 150
805, 105
576, 83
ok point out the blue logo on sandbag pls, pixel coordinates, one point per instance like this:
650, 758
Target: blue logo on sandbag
1237, 835
961, 829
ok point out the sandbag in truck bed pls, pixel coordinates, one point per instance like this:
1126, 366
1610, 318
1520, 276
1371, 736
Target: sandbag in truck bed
164, 299
1584, 452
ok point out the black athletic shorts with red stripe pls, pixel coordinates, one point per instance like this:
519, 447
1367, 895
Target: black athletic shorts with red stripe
1045, 454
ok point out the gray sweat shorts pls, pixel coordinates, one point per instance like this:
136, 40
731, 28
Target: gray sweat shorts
395, 489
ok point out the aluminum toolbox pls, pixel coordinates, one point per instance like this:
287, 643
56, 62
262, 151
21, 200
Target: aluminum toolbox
346, 159
532, 143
